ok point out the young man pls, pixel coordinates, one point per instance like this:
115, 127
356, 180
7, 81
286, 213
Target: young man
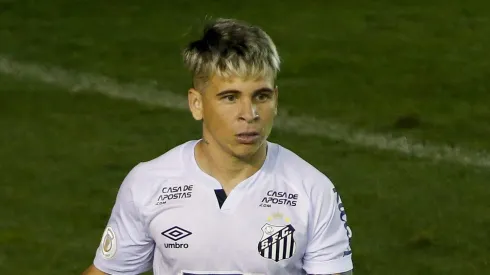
231, 202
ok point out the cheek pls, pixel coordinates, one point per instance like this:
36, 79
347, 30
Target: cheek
218, 119
268, 112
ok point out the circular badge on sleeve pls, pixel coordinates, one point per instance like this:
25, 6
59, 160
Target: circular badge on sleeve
108, 244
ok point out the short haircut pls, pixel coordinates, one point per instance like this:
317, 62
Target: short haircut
228, 48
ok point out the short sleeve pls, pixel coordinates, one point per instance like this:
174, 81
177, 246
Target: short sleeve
328, 250
126, 247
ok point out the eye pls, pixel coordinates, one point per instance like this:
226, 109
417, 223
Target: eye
263, 97
229, 98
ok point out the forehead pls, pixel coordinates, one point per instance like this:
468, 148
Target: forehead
245, 85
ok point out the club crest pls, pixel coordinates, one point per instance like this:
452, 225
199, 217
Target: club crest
277, 242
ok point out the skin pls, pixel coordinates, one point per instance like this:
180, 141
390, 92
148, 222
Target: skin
229, 106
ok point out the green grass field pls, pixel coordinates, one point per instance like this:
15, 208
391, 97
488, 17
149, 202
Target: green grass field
367, 64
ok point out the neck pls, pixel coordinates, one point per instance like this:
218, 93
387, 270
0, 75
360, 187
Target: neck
228, 169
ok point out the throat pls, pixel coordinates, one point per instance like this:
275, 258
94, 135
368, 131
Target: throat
227, 169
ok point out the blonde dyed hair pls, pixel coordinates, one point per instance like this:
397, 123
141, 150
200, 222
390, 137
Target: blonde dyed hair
228, 48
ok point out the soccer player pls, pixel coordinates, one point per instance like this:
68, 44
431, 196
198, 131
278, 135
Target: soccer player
230, 202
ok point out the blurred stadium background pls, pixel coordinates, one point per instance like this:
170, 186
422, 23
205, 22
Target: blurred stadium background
90, 88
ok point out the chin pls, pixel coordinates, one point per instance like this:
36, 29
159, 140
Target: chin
244, 151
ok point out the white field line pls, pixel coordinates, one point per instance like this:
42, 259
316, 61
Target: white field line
303, 125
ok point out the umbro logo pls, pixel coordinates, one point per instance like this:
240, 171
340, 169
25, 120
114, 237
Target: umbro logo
176, 233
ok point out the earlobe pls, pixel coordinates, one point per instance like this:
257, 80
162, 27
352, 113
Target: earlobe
195, 103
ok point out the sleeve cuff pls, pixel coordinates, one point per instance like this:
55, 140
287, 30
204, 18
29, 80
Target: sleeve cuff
343, 264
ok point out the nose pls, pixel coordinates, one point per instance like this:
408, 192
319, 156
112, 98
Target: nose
249, 111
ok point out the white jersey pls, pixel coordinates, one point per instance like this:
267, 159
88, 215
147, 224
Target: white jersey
171, 216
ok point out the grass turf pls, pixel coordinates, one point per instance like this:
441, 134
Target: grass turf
373, 64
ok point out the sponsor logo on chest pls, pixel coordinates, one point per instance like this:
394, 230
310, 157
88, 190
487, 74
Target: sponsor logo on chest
279, 197
176, 234
170, 193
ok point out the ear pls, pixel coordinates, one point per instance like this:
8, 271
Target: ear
276, 94
195, 103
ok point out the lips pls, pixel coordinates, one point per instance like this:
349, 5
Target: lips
248, 133
248, 137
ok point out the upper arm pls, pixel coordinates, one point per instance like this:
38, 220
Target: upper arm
126, 246
92, 270
328, 250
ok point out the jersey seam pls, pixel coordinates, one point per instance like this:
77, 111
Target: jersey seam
138, 210
331, 210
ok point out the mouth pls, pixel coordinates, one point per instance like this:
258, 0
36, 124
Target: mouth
248, 137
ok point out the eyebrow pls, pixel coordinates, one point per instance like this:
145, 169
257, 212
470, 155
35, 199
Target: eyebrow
261, 90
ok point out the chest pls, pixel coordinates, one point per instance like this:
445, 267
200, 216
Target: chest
259, 230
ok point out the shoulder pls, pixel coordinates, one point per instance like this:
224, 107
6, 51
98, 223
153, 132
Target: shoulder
143, 178
300, 174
